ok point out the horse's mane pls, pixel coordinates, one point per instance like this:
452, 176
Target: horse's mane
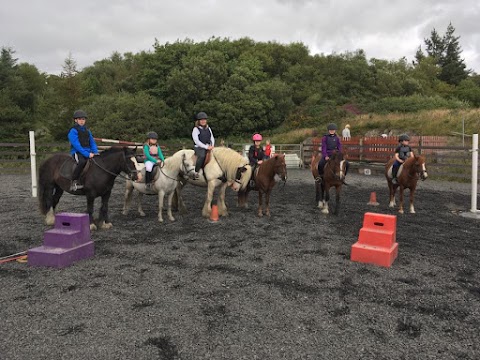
172, 162
229, 160
419, 158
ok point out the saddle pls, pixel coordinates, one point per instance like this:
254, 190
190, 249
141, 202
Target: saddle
143, 173
390, 171
68, 167
208, 157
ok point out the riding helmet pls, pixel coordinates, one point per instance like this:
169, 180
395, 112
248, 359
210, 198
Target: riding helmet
257, 137
152, 135
332, 126
403, 137
79, 114
201, 115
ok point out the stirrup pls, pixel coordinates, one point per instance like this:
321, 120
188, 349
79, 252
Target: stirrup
75, 186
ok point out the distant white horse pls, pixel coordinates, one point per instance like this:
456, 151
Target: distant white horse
226, 168
165, 183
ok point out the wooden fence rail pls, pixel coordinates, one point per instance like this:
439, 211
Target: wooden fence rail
443, 160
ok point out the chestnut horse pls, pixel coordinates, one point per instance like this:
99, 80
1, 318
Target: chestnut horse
265, 180
408, 174
333, 176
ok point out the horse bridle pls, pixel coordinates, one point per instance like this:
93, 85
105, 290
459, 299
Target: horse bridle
332, 170
238, 173
186, 172
418, 173
112, 173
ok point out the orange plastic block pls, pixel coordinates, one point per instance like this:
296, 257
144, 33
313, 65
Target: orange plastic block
377, 240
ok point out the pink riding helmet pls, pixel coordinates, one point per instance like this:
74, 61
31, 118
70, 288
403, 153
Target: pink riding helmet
257, 137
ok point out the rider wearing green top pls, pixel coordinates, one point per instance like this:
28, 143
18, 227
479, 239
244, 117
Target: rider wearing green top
153, 155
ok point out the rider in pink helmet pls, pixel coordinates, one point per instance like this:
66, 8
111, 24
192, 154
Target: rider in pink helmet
257, 137
256, 155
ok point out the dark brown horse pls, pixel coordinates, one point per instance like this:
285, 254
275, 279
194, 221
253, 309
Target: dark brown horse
408, 174
333, 176
265, 179
98, 180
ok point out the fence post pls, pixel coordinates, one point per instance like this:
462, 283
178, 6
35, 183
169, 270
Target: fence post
360, 152
33, 163
420, 144
474, 173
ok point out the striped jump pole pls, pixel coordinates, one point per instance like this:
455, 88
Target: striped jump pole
120, 142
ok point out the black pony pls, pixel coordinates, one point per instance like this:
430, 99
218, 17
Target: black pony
98, 179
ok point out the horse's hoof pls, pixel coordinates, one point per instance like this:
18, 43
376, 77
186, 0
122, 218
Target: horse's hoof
141, 213
325, 211
172, 219
106, 226
160, 220
260, 214
267, 213
125, 212
400, 211
93, 227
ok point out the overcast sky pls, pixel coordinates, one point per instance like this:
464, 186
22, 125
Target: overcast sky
43, 33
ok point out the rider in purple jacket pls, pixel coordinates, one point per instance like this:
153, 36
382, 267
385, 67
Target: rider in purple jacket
330, 143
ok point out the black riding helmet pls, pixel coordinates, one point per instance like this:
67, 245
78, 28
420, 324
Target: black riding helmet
79, 114
201, 115
152, 135
403, 137
332, 126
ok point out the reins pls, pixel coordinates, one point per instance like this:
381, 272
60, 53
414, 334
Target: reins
184, 168
111, 172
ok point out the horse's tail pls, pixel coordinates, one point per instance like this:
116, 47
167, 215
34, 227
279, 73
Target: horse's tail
44, 179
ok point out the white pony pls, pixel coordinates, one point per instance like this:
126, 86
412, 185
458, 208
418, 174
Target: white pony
165, 183
226, 168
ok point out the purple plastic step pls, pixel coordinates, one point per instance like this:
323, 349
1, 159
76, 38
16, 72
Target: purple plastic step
68, 242
59, 257
72, 221
65, 238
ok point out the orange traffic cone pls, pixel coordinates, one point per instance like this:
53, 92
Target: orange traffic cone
373, 199
214, 214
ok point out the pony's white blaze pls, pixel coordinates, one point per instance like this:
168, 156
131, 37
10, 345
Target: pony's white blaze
424, 168
342, 175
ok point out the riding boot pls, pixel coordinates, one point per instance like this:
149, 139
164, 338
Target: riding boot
148, 180
394, 175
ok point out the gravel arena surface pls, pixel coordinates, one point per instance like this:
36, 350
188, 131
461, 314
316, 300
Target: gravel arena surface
246, 287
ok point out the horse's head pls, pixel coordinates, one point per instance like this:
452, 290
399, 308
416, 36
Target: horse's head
188, 164
242, 176
420, 167
132, 167
280, 168
336, 166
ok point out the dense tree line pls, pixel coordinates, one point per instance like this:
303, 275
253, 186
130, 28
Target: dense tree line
245, 86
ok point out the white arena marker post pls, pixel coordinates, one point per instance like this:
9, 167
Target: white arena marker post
474, 173
33, 163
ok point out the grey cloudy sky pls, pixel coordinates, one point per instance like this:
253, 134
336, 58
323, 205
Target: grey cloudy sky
43, 33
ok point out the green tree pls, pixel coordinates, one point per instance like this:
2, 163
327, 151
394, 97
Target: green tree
446, 52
